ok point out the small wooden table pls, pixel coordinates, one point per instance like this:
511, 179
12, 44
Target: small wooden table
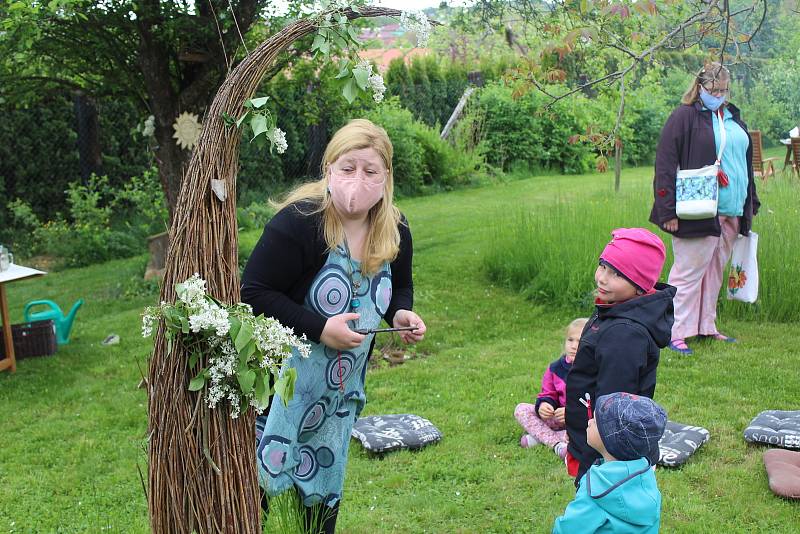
14, 272
788, 144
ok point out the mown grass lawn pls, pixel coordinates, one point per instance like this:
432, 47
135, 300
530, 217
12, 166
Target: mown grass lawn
73, 426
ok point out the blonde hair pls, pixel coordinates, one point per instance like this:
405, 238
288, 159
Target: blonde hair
711, 72
383, 238
580, 322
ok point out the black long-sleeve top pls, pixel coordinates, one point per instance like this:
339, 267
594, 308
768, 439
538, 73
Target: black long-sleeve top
287, 258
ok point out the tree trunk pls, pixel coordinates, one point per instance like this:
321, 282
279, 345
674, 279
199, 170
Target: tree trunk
89, 152
617, 163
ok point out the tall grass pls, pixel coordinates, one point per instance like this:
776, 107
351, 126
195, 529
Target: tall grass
549, 251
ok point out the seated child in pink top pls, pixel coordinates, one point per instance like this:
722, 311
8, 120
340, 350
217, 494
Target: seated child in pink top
544, 421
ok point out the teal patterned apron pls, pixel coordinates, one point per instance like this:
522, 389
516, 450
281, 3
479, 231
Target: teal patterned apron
305, 443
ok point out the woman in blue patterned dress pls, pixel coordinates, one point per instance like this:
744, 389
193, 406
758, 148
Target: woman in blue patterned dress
334, 261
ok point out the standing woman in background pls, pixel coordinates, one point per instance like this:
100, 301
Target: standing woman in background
690, 140
333, 262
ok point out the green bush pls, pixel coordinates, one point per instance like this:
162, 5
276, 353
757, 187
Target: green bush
429, 88
254, 216
550, 252
524, 131
39, 151
104, 222
422, 160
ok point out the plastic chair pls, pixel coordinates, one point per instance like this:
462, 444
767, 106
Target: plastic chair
63, 323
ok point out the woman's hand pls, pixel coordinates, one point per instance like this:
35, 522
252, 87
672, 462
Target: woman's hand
671, 225
559, 415
337, 334
408, 318
546, 410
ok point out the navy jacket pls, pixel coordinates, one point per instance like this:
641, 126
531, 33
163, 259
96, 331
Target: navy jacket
619, 351
687, 142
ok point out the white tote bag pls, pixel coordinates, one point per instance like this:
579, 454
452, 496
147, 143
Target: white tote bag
697, 190
743, 276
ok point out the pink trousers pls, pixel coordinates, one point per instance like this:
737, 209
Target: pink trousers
526, 415
697, 274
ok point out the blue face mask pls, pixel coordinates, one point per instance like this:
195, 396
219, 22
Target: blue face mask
710, 101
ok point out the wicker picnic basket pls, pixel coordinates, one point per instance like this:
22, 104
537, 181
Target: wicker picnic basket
37, 338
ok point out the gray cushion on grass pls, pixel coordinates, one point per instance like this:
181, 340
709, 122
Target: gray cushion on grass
679, 442
775, 427
384, 433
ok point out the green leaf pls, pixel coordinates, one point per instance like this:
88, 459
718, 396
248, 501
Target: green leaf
227, 119
350, 90
243, 337
246, 352
241, 119
184, 324
344, 69
362, 78
353, 33
198, 382
284, 386
339, 41
259, 125
319, 40
246, 380
193, 357
262, 389
259, 102
236, 325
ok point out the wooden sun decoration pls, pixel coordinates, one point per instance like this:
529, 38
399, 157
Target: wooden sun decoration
187, 130
202, 473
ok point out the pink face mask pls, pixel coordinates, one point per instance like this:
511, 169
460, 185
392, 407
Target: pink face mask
353, 196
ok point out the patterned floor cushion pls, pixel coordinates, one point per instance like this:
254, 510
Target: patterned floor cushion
783, 471
384, 433
679, 442
775, 427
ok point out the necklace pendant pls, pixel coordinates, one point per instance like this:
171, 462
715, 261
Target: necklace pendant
355, 303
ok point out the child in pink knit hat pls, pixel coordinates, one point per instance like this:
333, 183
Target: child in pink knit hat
620, 345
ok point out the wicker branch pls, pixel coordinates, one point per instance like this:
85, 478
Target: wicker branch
185, 492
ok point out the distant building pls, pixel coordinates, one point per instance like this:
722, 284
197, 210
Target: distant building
387, 34
381, 57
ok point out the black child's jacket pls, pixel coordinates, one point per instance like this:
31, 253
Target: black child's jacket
619, 351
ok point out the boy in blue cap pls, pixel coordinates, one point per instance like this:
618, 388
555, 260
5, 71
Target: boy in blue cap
619, 493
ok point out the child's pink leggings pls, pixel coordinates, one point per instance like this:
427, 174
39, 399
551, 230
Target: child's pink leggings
541, 430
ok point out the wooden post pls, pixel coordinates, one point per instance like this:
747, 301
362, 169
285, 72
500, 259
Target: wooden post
456, 112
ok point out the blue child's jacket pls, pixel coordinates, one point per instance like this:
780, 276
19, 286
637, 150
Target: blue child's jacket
619, 497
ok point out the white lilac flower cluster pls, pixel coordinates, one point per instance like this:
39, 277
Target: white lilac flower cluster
279, 140
148, 128
241, 350
375, 80
418, 23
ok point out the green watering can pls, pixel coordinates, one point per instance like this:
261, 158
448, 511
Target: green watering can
63, 324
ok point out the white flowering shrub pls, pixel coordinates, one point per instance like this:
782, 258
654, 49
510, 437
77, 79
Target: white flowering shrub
241, 350
368, 80
262, 124
417, 22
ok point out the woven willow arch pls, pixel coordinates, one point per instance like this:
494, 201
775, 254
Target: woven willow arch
186, 491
